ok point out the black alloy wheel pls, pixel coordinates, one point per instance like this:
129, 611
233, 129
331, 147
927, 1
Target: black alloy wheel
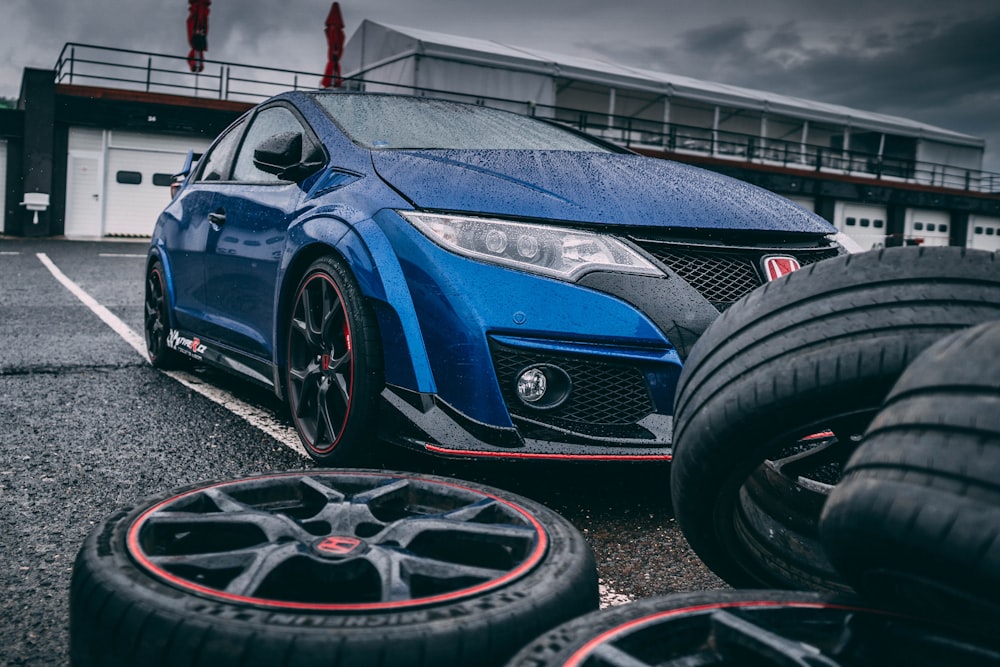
752, 628
359, 566
156, 323
334, 364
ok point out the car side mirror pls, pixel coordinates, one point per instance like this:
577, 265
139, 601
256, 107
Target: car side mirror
282, 155
279, 153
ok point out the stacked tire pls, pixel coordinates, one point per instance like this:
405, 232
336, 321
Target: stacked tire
779, 390
915, 521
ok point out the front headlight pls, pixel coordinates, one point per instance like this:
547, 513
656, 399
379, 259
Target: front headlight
559, 252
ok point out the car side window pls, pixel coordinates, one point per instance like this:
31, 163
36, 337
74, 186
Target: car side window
266, 124
218, 160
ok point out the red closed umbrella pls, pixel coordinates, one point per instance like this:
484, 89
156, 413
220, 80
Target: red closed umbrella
197, 25
335, 47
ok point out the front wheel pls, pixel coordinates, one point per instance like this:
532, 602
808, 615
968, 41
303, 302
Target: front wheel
334, 364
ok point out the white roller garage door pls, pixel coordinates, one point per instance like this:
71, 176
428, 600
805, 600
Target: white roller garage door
137, 182
984, 232
119, 182
929, 228
864, 223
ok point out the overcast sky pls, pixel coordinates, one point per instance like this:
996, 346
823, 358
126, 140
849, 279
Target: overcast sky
933, 61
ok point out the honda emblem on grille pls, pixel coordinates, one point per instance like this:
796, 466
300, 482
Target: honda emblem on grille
776, 266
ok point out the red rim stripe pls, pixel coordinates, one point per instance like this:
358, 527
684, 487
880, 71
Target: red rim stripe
610, 635
137, 553
551, 457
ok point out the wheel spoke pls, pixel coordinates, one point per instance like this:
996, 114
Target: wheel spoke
312, 334
735, 638
397, 488
328, 422
333, 316
801, 464
405, 531
218, 525
264, 562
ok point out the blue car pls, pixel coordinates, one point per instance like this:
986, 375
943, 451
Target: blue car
454, 278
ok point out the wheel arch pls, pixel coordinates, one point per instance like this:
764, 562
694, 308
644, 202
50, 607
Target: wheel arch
382, 285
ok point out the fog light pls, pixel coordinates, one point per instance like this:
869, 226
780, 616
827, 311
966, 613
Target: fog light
531, 386
543, 386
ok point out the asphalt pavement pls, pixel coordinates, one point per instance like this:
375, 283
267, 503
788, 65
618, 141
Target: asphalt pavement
87, 427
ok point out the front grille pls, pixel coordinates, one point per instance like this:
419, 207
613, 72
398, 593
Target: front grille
606, 399
725, 274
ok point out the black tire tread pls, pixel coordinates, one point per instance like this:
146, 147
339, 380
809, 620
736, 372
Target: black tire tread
923, 490
838, 332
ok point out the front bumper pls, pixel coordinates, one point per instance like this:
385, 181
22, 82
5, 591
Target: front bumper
618, 408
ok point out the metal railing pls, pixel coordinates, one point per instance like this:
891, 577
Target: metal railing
161, 73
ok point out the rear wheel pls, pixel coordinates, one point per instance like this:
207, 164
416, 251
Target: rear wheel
321, 567
334, 364
156, 323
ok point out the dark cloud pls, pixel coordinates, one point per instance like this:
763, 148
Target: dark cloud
916, 58
941, 71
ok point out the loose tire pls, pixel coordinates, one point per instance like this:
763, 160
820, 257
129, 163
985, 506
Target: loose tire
757, 628
156, 322
777, 392
334, 364
317, 567
922, 493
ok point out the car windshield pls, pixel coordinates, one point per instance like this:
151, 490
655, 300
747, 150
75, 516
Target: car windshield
388, 122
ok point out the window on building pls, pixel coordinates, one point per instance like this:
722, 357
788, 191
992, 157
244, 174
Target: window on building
865, 222
851, 222
163, 180
989, 231
878, 224
942, 228
931, 227
979, 230
919, 226
129, 177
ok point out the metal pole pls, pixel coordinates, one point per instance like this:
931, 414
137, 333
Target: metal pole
149, 71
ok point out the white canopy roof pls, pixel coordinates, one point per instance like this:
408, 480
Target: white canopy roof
382, 43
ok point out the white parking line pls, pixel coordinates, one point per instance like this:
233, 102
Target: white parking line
253, 415
117, 254
109, 318
610, 597
9, 252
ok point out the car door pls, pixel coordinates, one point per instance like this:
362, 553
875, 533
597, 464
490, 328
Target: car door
246, 238
189, 241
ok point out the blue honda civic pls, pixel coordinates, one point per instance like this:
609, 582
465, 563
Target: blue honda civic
455, 278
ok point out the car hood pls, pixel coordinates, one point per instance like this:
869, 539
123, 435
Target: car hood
603, 188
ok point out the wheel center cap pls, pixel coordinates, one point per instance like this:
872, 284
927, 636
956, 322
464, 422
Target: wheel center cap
339, 546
